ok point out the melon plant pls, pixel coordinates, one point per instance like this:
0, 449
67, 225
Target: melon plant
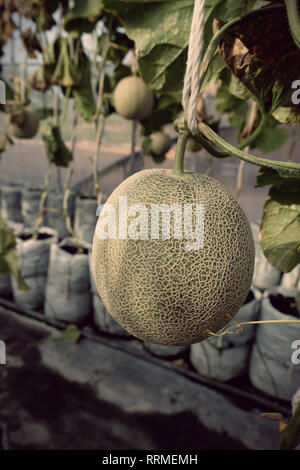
133, 99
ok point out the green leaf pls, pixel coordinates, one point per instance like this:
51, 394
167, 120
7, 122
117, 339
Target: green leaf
83, 17
160, 31
280, 226
120, 71
215, 70
65, 73
44, 113
146, 145
165, 111
42, 11
236, 108
121, 44
56, 150
51, 52
226, 11
71, 334
237, 88
82, 92
288, 115
271, 138
8, 254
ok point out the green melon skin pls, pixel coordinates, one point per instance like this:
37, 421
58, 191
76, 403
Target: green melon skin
29, 127
156, 289
133, 99
160, 143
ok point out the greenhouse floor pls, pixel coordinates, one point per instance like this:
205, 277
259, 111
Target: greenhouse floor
108, 394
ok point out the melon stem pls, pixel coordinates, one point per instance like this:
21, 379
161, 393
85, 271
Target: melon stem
178, 167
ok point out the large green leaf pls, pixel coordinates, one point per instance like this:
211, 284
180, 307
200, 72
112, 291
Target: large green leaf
8, 254
280, 226
161, 29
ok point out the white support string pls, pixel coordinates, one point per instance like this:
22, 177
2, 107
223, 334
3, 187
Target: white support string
191, 90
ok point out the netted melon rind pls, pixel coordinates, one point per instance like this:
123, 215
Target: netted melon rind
133, 99
156, 289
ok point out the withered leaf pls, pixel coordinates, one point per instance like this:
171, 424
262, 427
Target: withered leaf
260, 51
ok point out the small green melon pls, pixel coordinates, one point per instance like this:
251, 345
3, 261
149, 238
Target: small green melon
157, 289
133, 99
160, 143
193, 145
28, 128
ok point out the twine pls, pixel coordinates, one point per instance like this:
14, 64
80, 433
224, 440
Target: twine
191, 86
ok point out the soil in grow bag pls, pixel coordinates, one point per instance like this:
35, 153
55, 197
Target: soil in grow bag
27, 236
285, 305
249, 298
73, 250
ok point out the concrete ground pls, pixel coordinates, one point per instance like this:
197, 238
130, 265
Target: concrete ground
109, 395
